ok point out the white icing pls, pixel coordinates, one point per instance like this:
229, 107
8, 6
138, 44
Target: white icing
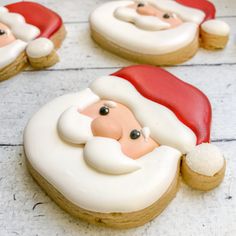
3, 10
143, 22
25, 32
11, 19
185, 13
205, 159
40, 47
132, 38
64, 167
145, 132
110, 104
74, 127
19, 27
165, 127
105, 155
216, 27
10, 52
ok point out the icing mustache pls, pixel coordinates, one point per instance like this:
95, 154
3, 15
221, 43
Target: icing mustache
151, 23
103, 154
74, 127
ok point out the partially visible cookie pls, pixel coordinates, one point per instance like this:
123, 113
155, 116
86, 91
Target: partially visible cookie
159, 32
29, 35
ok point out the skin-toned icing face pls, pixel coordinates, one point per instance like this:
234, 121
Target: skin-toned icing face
6, 36
149, 10
116, 121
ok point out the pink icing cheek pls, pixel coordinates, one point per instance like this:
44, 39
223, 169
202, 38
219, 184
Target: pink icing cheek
106, 127
174, 22
147, 10
137, 148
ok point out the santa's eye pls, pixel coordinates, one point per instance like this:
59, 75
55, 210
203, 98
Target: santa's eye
166, 16
134, 134
104, 111
141, 5
2, 32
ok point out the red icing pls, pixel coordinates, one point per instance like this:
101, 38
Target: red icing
190, 105
35, 14
207, 7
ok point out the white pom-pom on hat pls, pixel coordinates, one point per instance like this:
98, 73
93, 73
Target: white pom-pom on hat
205, 159
40, 47
216, 27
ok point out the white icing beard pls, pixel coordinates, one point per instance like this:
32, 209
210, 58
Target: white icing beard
10, 52
133, 38
143, 22
63, 164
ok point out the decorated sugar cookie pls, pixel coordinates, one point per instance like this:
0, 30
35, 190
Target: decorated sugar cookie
159, 32
111, 154
29, 35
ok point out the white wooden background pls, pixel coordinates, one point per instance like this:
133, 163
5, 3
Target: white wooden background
26, 210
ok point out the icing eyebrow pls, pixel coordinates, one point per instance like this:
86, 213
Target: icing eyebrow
110, 104
145, 132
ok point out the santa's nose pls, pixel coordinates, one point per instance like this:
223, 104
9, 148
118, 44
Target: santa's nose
106, 127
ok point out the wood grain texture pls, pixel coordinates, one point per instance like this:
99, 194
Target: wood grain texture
26, 210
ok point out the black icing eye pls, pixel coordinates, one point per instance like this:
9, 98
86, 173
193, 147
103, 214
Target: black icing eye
166, 16
104, 111
2, 32
134, 134
141, 5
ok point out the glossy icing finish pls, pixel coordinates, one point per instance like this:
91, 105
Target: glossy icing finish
63, 165
180, 97
6, 36
165, 127
216, 27
43, 18
203, 5
118, 125
40, 47
11, 52
128, 36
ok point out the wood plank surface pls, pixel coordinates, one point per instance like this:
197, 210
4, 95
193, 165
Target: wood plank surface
24, 207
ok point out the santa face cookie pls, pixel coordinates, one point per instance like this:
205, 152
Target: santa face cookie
29, 35
111, 153
159, 32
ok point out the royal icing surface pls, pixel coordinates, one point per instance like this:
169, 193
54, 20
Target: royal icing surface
186, 13
19, 27
113, 161
40, 47
205, 159
146, 23
46, 20
3, 10
64, 166
163, 123
11, 52
216, 27
129, 36
27, 21
164, 88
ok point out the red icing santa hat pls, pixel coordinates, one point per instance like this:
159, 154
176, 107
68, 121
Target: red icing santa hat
188, 103
33, 24
178, 114
203, 5
46, 20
